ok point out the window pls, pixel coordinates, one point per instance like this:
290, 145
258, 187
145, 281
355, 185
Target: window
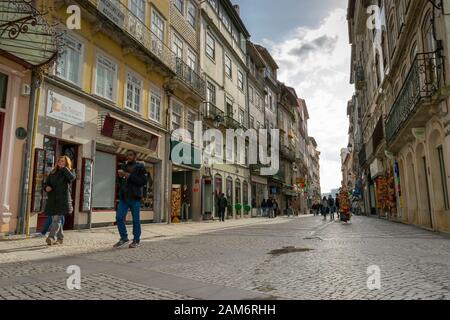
258, 101
211, 93
241, 116
252, 122
213, 4
134, 92
228, 67
427, 33
177, 114
179, 4
191, 14
106, 78
177, 46
191, 117
443, 177
210, 46
192, 59
70, 62
158, 25
251, 94
137, 7
155, 103
241, 80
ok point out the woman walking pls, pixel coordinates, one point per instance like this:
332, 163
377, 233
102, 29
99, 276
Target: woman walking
59, 199
325, 208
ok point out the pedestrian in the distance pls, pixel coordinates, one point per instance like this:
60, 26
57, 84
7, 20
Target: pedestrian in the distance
324, 208
331, 206
264, 208
337, 206
59, 198
223, 204
133, 178
269, 205
275, 208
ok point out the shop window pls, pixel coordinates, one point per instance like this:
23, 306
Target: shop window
3, 90
70, 62
245, 193
238, 191
104, 190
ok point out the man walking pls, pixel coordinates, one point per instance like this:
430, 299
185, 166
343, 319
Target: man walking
269, 205
223, 204
337, 205
331, 206
133, 178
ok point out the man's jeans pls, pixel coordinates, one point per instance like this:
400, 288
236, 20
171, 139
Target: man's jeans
185, 211
122, 211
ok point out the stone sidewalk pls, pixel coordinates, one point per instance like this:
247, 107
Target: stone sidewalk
97, 239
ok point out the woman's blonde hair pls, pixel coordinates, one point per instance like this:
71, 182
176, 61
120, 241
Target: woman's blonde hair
68, 163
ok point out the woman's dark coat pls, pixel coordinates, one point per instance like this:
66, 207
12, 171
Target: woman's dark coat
59, 200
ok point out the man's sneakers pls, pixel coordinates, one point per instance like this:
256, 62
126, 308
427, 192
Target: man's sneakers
121, 244
135, 245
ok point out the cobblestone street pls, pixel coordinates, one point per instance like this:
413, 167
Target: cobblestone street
297, 258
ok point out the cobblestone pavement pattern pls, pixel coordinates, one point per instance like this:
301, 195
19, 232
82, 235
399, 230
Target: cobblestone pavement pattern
297, 258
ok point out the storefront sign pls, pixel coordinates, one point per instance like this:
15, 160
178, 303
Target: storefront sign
65, 109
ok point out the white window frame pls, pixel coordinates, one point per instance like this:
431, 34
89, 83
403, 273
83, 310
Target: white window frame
210, 36
240, 80
178, 103
67, 65
135, 85
188, 122
157, 92
155, 27
175, 45
251, 93
230, 67
189, 16
192, 63
181, 10
137, 10
116, 65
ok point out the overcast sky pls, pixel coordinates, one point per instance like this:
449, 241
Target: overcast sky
309, 40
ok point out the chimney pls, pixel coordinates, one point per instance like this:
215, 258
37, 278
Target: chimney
237, 8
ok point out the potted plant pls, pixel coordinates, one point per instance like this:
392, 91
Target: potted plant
238, 208
247, 209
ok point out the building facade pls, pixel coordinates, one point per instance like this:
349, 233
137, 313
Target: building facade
398, 68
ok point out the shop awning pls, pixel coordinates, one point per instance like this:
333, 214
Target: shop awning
120, 130
25, 35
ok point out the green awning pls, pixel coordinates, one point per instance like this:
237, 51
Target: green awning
25, 35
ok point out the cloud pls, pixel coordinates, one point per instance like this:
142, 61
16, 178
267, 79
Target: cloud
316, 62
322, 44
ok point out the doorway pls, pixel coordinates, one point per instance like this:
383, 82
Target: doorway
53, 148
424, 161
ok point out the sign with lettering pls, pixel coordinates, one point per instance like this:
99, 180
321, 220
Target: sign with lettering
112, 10
65, 109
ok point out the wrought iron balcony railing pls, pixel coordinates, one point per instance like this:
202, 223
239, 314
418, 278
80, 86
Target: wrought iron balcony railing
231, 123
421, 84
211, 112
191, 78
119, 14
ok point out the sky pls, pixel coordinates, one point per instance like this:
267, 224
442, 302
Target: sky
309, 40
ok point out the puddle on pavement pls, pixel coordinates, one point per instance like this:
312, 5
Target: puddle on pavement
287, 250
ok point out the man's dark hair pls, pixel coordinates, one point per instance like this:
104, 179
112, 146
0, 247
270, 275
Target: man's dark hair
133, 152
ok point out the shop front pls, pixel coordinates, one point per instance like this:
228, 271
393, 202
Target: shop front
259, 193
96, 139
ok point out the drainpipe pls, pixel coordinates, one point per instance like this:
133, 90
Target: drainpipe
23, 219
93, 151
168, 164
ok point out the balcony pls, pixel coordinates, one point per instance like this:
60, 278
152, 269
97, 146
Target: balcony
191, 78
421, 84
231, 123
211, 112
287, 153
119, 15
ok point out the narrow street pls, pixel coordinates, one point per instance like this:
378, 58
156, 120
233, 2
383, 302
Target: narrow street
297, 258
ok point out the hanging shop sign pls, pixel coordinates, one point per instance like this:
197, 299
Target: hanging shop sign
65, 109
